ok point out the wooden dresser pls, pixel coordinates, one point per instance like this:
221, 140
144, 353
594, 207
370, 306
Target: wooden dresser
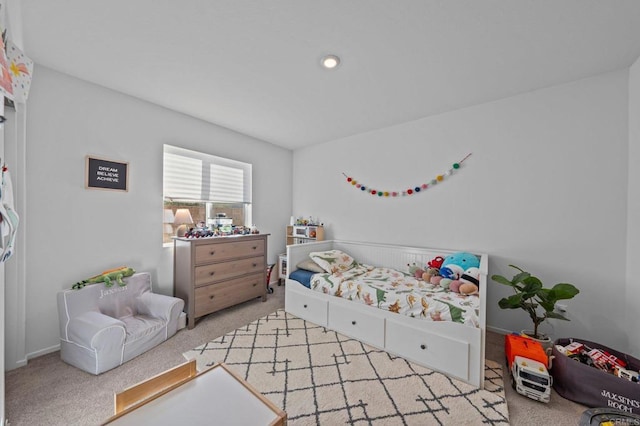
210, 274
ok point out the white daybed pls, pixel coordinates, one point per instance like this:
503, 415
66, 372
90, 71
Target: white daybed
451, 348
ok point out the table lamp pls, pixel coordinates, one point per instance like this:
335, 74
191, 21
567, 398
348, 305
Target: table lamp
183, 217
167, 221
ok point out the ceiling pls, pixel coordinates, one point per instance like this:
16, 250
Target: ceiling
254, 65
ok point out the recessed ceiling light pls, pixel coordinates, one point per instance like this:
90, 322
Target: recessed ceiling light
330, 61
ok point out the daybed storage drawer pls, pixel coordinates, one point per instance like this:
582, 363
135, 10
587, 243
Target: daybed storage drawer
442, 353
365, 327
307, 306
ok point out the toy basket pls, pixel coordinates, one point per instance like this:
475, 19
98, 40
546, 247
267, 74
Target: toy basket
592, 387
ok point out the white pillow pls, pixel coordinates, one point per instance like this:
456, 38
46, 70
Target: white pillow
309, 265
333, 261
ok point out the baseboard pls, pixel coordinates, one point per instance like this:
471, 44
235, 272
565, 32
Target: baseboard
23, 362
41, 352
499, 330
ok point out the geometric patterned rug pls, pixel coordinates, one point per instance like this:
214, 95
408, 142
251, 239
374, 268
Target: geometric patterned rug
320, 377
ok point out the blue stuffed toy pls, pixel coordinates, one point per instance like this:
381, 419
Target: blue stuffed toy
455, 264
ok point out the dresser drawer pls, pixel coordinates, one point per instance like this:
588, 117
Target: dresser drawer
365, 327
222, 271
221, 295
206, 253
440, 352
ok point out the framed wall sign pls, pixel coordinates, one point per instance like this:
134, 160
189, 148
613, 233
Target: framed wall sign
106, 174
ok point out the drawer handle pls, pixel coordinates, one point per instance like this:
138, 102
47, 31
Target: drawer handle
212, 252
353, 323
305, 306
211, 273
255, 284
423, 346
211, 297
255, 264
254, 247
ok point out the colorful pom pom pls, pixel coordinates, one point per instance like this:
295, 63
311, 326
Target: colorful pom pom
410, 191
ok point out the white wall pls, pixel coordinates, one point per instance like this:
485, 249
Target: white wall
10, 287
74, 233
2, 303
633, 212
545, 188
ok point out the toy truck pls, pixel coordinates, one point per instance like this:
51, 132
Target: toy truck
528, 363
604, 360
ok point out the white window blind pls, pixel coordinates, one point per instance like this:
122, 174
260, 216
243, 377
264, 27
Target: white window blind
194, 176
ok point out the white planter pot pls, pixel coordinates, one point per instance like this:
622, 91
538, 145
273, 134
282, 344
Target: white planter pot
544, 340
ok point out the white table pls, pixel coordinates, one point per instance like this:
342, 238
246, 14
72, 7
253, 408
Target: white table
215, 396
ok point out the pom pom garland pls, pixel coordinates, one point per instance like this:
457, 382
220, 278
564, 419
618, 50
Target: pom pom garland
410, 191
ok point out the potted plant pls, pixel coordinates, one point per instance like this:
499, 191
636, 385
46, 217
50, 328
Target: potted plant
536, 300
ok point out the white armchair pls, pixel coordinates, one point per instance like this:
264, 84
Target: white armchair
102, 327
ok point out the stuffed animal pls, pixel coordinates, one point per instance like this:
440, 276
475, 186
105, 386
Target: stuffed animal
435, 280
436, 262
455, 264
107, 277
416, 271
446, 283
470, 281
429, 273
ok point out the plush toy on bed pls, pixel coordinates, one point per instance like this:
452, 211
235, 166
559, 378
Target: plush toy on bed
432, 270
436, 262
455, 264
416, 271
430, 273
467, 284
470, 281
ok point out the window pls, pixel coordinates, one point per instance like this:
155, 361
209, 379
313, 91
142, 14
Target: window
206, 185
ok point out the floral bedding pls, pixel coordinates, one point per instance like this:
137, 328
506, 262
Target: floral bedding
398, 292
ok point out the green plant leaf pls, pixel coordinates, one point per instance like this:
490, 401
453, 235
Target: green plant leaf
556, 316
521, 277
564, 291
531, 287
501, 280
512, 302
